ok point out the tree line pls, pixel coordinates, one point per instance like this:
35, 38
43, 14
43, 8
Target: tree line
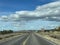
55, 29
6, 31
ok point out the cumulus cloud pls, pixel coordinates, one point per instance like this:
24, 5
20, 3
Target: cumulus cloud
50, 11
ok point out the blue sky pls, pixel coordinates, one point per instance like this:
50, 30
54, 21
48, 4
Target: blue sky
29, 14
17, 5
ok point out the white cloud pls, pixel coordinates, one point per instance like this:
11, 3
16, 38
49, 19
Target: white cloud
48, 11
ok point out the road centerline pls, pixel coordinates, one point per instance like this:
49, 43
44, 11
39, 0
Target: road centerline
26, 40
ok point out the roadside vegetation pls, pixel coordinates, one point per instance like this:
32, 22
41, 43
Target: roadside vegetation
52, 35
55, 33
6, 32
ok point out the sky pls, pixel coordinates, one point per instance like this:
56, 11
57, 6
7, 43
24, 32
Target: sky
29, 14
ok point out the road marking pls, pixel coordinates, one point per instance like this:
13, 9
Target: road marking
26, 40
46, 39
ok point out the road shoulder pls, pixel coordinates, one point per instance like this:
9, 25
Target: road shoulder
47, 38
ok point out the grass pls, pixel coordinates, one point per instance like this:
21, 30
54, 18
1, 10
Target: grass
8, 35
52, 36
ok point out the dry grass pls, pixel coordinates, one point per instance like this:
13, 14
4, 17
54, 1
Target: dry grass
52, 36
8, 35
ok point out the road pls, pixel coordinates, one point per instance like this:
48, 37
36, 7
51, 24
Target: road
28, 39
16, 41
37, 40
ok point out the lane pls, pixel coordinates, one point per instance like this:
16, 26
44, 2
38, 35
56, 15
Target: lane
16, 41
36, 40
32, 40
43, 41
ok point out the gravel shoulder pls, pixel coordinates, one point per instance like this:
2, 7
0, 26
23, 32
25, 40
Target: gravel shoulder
56, 41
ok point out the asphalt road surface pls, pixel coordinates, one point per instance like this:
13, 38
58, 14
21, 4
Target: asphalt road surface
16, 41
37, 40
28, 39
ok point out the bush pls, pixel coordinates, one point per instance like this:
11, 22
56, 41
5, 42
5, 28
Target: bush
6, 31
1, 38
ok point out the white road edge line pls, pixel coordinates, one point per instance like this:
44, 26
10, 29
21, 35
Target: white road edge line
26, 40
47, 40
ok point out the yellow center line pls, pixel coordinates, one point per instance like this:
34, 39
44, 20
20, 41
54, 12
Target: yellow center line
26, 40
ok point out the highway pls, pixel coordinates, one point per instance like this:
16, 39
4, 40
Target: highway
36, 40
28, 39
16, 41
